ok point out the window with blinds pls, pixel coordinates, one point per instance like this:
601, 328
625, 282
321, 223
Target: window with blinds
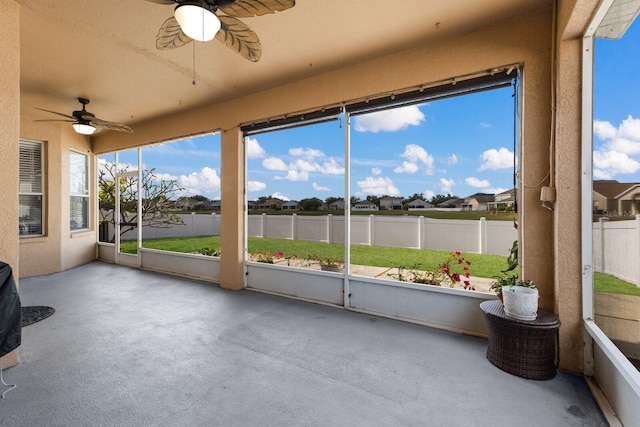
78, 191
31, 185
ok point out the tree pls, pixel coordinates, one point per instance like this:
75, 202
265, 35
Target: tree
439, 198
158, 198
374, 199
330, 200
200, 198
312, 204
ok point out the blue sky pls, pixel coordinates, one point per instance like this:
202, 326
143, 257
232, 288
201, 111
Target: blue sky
458, 146
617, 107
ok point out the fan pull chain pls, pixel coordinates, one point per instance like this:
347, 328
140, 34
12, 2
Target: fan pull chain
194, 63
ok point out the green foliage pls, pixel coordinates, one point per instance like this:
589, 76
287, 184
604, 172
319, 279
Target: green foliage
312, 204
330, 261
209, 251
439, 198
606, 283
510, 280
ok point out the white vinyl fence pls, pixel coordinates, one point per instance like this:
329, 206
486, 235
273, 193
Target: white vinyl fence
616, 244
616, 249
485, 237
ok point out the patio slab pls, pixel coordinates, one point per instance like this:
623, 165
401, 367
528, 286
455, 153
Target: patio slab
128, 347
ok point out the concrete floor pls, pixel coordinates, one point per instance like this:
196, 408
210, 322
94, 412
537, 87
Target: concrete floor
136, 348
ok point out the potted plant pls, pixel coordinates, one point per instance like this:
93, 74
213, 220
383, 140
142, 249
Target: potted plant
520, 297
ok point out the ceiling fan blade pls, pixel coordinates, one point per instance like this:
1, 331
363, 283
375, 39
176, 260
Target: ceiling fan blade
55, 120
103, 124
248, 8
59, 114
239, 37
162, 1
170, 35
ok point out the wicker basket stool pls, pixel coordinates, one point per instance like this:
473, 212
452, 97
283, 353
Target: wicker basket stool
528, 349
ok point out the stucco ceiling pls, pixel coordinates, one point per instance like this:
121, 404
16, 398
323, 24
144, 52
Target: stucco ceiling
105, 50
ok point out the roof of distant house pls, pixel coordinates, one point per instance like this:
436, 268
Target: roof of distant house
611, 188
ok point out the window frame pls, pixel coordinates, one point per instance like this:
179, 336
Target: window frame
40, 193
86, 195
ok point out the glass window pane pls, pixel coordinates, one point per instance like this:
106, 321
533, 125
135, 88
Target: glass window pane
79, 191
30, 189
78, 174
30, 215
79, 213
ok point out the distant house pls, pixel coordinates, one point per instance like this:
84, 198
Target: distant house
271, 203
252, 205
365, 205
291, 205
478, 202
452, 204
337, 205
189, 203
418, 204
390, 203
214, 205
503, 200
614, 196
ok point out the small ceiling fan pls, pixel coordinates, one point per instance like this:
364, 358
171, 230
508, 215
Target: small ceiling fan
199, 20
85, 122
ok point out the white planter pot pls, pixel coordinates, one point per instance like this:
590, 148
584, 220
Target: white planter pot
520, 303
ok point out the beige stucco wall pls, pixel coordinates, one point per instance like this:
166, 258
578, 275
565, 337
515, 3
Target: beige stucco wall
58, 249
9, 136
526, 40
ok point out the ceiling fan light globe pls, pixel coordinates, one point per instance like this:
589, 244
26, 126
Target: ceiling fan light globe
197, 22
83, 129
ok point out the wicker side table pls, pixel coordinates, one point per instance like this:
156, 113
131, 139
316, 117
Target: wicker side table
528, 349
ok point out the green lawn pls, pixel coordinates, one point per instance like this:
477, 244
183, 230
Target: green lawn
605, 283
481, 265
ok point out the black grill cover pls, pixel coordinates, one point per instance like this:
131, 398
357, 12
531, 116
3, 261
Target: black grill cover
10, 312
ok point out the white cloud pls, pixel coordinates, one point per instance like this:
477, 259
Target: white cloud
332, 167
446, 185
607, 164
274, 164
278, 195
376, 171
318, 187
604, 130
256, 186
204, 182
415, 155
476, 182
496, 159
389, 120
294, 175
621, 145
254, 150
495, 190
307, 153
165, 177
407, 167
299, 169
452, 160
304, 166
378, 186
428, 194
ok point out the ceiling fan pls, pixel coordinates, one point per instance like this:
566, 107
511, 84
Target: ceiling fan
199, 20
85, 122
